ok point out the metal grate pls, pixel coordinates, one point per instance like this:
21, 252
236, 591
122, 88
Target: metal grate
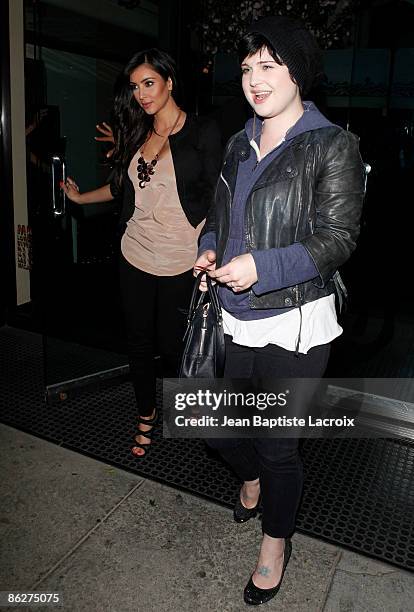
358, 493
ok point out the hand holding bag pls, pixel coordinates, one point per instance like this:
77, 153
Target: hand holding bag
204, 351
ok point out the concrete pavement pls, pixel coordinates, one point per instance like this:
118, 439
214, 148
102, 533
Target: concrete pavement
111, 541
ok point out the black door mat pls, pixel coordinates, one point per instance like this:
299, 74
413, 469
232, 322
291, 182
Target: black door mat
358, 493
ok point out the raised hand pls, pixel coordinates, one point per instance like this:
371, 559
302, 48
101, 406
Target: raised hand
108, 135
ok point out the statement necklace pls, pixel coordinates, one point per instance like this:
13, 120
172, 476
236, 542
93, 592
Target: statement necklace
146, 169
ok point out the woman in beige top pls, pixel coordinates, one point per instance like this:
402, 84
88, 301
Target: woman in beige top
166, 166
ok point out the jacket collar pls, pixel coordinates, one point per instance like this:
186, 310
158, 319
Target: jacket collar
285, 167
241, 148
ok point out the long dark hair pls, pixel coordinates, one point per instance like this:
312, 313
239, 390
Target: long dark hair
131, 122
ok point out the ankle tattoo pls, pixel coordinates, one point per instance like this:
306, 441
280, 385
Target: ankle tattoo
263, 570
247, 496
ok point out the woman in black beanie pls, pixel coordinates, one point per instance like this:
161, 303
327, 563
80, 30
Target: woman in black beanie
286, 216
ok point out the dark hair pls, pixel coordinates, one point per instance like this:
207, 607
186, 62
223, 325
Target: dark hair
131, 122
252, 42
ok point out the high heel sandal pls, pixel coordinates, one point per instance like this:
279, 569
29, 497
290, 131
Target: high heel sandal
146, 434
253, 595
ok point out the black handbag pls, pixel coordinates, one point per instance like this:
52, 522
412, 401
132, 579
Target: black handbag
204, 351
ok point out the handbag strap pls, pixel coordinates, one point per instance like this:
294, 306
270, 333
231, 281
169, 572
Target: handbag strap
197, 299
193, 304
214, 301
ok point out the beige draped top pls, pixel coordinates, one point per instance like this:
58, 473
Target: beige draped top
158, 238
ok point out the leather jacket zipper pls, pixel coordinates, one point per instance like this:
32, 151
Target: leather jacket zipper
296, 292
203, 328
298, 303
230, 199
227, 185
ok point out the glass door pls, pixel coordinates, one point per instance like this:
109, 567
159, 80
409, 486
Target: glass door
74, 248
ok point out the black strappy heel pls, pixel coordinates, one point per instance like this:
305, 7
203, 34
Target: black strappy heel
146, 434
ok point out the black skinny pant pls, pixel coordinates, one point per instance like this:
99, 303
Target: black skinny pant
154, 310
275, 461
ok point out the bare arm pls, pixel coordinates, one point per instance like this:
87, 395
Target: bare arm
102, 194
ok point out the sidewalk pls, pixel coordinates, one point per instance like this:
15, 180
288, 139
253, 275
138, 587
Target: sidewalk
110, 541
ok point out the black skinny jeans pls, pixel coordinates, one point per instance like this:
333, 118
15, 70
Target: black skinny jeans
154, 309
275, 461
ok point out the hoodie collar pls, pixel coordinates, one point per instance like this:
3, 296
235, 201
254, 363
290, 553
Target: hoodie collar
312, 119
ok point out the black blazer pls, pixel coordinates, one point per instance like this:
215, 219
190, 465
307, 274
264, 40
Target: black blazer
197, 154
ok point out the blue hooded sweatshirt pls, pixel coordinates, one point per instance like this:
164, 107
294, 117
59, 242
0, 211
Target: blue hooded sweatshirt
276, 268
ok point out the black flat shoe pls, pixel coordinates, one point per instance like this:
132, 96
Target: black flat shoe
242, 514
255, 596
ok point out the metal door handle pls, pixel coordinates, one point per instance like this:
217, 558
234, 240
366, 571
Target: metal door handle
368, 169
58, 196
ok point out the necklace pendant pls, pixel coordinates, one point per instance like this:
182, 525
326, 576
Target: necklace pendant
145, 169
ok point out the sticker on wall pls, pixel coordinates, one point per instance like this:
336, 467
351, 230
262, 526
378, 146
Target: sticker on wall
24, 247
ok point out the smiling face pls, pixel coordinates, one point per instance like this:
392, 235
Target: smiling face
149, 88
268, 86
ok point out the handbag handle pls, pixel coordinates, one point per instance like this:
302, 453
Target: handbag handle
212, 293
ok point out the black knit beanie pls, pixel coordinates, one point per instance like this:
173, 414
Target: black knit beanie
295, 46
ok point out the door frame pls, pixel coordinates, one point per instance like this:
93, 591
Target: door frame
8, 299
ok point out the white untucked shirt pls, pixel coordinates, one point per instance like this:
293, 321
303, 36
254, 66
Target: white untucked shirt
319, 326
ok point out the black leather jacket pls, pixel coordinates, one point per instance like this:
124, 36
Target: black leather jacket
311, 193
